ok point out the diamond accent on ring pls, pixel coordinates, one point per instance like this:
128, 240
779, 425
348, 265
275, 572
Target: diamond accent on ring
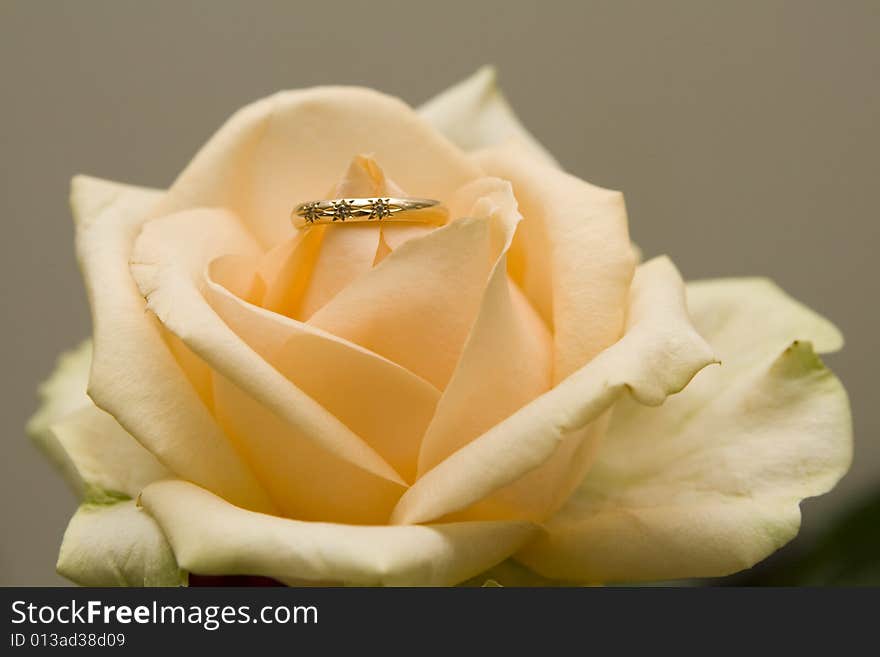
380, 208
311, 212
342, 210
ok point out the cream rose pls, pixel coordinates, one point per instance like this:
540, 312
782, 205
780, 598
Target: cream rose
406, 404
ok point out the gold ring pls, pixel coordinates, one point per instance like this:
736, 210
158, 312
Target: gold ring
327, 211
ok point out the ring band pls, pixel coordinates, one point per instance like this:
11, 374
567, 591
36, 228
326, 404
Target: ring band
363, 209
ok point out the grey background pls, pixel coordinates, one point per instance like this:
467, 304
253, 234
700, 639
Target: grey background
745, 135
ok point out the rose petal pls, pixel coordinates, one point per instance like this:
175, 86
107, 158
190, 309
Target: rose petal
211, 536
63, 393
726, 310
94, 453
104, 456
301, 274
291, 147
386, 405
657, 356
393, 235
571, 256
417, 306
117, 545
305, 480
169, 264
507, 357
710, 483
474, 114
344, 254
134, 377
285, 272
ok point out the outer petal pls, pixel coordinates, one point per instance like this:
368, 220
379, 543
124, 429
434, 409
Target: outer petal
571, 255
95, 454
134, 376
117, 545
710, 483
103, 457
105, 544
293, 147
474, 114
210, 536
657, 356
726, 310
63, 393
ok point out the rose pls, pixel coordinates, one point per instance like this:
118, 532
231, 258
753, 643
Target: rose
407, 404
